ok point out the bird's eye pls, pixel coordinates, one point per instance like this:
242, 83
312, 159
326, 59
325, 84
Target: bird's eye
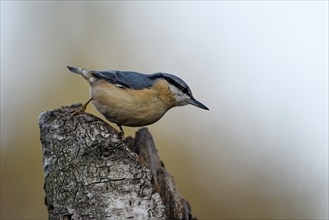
187, 91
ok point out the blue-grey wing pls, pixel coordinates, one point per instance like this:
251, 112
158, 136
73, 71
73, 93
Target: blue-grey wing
127, 79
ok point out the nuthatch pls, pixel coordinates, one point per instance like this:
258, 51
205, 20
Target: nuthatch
135, 99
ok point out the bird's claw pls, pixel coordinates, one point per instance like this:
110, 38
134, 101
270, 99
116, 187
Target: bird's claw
80, 109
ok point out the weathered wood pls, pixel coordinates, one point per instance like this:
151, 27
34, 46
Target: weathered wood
90, 173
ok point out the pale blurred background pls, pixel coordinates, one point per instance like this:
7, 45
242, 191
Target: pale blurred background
261, 67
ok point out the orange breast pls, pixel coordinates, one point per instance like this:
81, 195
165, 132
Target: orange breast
132, 107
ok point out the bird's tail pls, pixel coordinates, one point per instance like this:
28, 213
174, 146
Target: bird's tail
85, 73
75, 70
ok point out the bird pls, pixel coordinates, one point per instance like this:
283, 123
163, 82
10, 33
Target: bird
134, 99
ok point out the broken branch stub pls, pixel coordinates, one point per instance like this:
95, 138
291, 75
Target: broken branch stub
90, 173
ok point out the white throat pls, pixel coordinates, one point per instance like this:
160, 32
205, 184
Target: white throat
181, 98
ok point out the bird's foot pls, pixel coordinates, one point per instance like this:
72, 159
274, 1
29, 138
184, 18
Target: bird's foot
121, 134
80, 109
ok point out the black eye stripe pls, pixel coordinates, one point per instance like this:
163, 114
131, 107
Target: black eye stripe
174, 80
179, 86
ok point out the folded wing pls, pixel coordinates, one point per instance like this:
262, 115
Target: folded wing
127, 79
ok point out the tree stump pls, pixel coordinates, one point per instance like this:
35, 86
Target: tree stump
91, 173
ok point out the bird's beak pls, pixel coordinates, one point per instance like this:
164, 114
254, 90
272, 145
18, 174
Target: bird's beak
196, 103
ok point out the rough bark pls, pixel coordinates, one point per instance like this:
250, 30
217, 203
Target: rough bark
90, 173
